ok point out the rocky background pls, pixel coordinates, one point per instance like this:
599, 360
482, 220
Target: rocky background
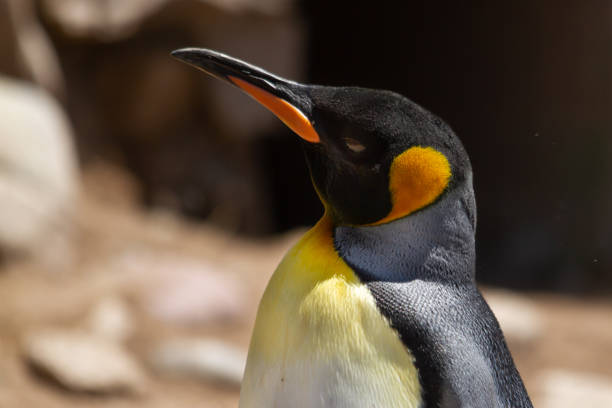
143, 206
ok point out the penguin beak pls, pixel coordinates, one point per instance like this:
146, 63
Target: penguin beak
287, 100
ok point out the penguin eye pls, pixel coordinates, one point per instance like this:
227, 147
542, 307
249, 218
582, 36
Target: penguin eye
354, 145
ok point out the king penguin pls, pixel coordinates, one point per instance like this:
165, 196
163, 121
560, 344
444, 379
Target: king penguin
376, 306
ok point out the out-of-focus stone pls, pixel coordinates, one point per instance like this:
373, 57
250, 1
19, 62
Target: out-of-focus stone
110, 318
204, 359
102, 19
187, 292
519, 319
82, 362
567, 389
274, 7
34, 51
108, 20
37, 169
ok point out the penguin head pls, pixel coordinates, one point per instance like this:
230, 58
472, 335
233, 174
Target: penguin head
374, 156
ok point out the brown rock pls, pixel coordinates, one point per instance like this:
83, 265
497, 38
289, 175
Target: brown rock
567, 389
82, 362
110, 318
204, 359
38, 174
188, 292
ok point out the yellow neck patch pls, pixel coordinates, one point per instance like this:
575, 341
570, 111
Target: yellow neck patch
416, 178
320, 340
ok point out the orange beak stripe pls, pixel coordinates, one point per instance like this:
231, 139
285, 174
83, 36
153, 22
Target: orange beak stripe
289, 114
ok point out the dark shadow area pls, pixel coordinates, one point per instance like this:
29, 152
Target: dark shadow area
527, 86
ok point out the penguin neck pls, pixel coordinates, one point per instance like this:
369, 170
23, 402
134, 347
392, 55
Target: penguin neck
434, 243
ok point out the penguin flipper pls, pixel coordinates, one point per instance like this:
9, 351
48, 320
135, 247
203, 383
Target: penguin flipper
460, 351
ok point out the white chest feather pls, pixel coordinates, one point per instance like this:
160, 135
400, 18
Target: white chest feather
320, 341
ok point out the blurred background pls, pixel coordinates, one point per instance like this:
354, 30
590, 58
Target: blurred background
144, 206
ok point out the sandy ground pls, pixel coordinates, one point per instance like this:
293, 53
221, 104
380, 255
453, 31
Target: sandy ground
113, 244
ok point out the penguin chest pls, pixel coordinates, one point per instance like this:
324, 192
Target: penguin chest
320, 341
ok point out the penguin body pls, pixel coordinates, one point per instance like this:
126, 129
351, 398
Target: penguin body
377, 305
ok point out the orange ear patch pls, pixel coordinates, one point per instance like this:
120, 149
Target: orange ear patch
289, 114
416, 178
